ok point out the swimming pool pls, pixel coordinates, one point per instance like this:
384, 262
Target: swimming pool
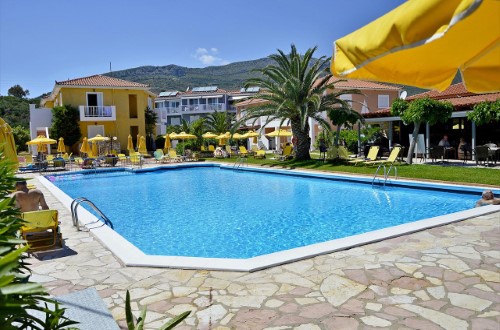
214, 212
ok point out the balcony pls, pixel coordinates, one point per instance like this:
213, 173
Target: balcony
97, 113
163, 112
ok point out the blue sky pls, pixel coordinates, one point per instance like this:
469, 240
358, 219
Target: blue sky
44, 41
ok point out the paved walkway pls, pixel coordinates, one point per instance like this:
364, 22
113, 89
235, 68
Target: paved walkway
445, 277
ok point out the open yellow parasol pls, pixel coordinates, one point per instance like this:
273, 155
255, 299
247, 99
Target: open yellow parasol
280, 133
60, 145
142, 145
7, 143
98, 138
238, 136
209, 135
424, 43
223, 137
41, 142
252, 134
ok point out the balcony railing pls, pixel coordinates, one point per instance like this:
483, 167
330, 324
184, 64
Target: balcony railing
94, 113
163, 112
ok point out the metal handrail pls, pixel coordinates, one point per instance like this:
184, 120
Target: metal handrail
386, 173
376, 174
74, 214
239, 162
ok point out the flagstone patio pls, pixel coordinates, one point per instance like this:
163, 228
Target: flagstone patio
446, 277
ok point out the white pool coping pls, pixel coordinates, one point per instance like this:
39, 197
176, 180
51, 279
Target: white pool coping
130, 255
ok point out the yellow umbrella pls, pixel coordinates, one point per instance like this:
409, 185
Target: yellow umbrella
168, 143
142, 145
238, 136
130, 144
60, 146
252, 134
41, 139
7, 143
85, 147
209, 135
41, 142
185, 136
223, 137
424, 43
98, 138
280, 132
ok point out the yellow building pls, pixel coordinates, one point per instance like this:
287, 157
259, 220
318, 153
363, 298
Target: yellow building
108, 106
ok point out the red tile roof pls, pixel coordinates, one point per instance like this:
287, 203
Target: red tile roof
455, 94
101, 81
362, 84
250, 102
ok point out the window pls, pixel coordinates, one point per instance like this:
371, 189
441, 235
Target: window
93, 130
193, 118
132, 105
175, 121
383, 101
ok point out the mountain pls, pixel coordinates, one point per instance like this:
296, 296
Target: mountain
173, 77
230, 77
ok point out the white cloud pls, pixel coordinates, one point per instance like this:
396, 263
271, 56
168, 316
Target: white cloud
207, 56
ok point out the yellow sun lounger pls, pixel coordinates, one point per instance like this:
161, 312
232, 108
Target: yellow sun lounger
41, 229
390, 160
372, 155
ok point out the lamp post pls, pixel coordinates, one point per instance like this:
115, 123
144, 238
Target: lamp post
114, 138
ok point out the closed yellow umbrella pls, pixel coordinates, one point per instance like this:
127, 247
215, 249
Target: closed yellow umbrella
279, 132
60, 146
424, 43
7, 143
142, 145
95, 151
168, 143
130, 144
85, 147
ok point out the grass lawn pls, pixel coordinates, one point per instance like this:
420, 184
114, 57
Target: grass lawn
454, 174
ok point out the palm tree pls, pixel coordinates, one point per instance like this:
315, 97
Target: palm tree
294, 91
219, 122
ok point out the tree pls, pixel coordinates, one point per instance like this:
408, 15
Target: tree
150, 119
15, 111
420, 111
294, 91
21, 136
65, 123
341, 113
18, 91
219, 122
485, 112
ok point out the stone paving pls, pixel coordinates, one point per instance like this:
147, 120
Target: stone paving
443, 278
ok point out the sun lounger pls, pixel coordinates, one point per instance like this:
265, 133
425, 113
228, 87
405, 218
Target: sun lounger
390, 160
372, 155
287, 153
260, 154
41, 229
243, 151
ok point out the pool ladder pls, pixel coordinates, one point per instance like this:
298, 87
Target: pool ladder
74, 214
386, 174
240, 161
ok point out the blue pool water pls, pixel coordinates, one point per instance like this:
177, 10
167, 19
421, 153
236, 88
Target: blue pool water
220, 213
